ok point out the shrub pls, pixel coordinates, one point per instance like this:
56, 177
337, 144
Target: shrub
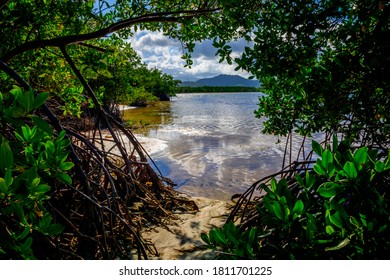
337, 210
32, 160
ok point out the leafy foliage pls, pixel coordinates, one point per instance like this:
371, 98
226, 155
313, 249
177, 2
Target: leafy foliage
338, 210
323, 66
30, 165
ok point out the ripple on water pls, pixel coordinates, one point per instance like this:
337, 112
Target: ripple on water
210, 144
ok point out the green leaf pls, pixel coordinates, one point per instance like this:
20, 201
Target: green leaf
45, 221
277, 210
221, 237
26, 131
27, 244
335, 143
49, 145
61, 135
35, 182
66, 166
54, 229
299, 180
6, 156
310, 180
205, 238
317, 148
274, 185
327, 158
42, 125
16, 91
3, 186
336, 219
252, 236
360, 158
42, 189
24, 233
319, 168
329, 189
213, 238
8, 178
354, 222
18, 210
379, 166
231, 236
298, 207
19, 137
40, 99
65, 178
329, 230
350, 170
363, 218
337, 214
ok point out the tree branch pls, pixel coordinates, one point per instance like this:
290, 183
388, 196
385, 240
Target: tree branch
72, 39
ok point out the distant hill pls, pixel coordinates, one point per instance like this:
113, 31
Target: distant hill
224, 81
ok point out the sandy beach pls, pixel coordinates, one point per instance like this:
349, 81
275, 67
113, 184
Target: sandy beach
182, 240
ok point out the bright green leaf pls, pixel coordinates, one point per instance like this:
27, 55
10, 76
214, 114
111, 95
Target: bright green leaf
42, 189
278, 210
350, 170
66, 166
3, 186
298, 207
329, 230
327, 158
329, 189
220, 236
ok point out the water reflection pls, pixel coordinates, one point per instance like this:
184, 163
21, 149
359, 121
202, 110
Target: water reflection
151, 117
213, 145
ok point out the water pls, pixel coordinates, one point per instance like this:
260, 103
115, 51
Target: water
209, 144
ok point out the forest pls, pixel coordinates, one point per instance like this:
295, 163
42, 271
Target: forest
66, 192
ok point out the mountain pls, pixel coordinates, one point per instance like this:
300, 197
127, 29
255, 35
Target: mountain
224, 81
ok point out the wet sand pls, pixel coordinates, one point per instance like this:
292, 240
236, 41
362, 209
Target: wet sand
182, 241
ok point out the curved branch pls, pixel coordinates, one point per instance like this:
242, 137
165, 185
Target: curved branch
72, 39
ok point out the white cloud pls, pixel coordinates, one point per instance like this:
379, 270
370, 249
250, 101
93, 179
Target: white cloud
165, 53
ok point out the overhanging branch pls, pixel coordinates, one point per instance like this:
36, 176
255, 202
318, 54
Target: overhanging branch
72, 39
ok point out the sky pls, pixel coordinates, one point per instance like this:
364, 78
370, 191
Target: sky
164, 53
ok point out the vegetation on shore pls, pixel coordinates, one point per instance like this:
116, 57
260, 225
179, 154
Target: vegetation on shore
205, 89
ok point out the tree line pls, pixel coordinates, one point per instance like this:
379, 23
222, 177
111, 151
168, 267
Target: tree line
205, 89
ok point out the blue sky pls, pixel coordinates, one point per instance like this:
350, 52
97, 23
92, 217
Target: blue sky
165, 53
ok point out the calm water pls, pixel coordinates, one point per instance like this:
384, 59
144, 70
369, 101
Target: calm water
209, 144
